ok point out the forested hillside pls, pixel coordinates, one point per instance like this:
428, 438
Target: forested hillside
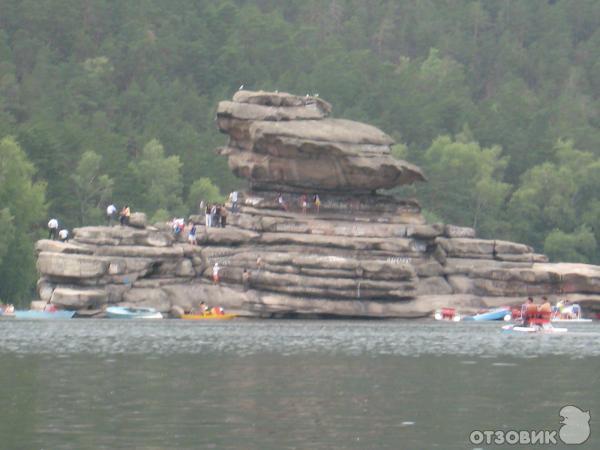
497, 100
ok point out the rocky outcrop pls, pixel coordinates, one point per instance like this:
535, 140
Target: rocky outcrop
284, 142
356, 254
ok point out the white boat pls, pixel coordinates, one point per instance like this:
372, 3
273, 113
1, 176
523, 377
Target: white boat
580, 320
570, 313
125, 312
546, 329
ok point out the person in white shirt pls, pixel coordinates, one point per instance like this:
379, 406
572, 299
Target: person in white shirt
63, 235
215, 273
52, 228
111, 210
234, 200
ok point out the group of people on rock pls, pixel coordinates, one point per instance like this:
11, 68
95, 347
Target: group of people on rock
532, 314
215, 214
111, 215
54, 233
178, 226
303, 203
246, 279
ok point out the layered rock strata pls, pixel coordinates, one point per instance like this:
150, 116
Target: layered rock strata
359, 254
288, 143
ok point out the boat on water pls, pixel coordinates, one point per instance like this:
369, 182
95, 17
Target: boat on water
565, 312
448, 314
43, 315
224, 316
542, 329
7, 311
129, 312
502, 313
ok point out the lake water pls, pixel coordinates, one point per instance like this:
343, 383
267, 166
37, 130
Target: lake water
110, 384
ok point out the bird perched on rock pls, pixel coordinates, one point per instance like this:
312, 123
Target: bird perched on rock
241, 87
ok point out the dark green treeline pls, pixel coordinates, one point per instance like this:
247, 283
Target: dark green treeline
497, 100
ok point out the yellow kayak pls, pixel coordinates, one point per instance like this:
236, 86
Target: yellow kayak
208, 316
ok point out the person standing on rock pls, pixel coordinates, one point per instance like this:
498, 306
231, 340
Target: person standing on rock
111, 210
215, 273
234, 201
192, 235
223, 214
304, 203
317, 202
52, 228
208, 216
214, 216
124, 216
281, 202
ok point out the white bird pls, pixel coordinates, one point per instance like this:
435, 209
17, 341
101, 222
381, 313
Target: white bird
241, 87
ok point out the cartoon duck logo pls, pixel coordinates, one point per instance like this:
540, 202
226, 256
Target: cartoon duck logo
575, 425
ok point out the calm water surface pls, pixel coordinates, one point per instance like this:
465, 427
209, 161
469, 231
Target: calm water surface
102, 384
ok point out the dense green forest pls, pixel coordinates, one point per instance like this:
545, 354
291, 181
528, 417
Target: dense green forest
497, 100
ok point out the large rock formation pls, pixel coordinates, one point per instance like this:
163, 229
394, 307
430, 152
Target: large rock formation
284, 142
361, 254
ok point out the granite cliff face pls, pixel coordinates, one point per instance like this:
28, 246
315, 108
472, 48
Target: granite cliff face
361, 254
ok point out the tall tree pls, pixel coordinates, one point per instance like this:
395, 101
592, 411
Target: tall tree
465, 184
23, 210
156, 180
91, 188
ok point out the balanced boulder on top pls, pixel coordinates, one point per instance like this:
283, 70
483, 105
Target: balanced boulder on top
283, 142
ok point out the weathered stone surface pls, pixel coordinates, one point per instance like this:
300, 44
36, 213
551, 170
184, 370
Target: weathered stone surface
71, 265
140, 252
286, 142
138, 220
249, 111
452, 231
279, 99
363, 174
185, 269
224, 236
461, 284
70, 298
433, 286
45, 289
47, 245
149, 298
